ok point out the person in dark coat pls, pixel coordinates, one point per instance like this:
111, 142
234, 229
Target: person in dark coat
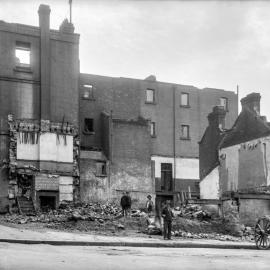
167, 215
125, 203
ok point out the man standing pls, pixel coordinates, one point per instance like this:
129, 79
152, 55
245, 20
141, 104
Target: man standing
167, 215
125, 203
149, 205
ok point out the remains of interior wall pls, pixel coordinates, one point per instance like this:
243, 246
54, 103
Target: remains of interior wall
209, 186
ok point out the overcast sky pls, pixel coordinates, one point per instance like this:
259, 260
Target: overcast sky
203, 43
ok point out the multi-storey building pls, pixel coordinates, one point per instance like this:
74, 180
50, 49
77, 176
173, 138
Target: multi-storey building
135, 135
176, 116
39, 71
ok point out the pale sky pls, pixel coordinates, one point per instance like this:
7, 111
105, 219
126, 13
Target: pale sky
203, 43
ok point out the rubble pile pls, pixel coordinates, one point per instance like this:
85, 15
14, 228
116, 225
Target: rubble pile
71, 212
192, 212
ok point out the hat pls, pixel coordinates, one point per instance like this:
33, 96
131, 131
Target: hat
149, 196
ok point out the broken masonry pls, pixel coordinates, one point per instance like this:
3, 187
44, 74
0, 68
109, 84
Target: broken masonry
43, 163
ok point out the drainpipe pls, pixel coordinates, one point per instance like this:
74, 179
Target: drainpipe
174, 150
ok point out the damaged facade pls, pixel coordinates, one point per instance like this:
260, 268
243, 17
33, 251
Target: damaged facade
167, 159
234, 163
39, 73
67, 136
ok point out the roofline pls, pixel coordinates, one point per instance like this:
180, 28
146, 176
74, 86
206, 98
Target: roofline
167, 83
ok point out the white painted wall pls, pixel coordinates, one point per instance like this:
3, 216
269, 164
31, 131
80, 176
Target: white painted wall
49, 148
52, 149
209, 186
229, 160
186, 168
26, 151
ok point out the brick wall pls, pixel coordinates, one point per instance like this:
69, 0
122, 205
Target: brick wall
126, 98
131, 160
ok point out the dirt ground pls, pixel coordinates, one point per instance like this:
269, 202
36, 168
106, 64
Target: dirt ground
106, 219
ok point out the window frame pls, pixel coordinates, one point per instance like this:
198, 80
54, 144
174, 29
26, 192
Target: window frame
87, 88
188, 103
188, 132
153, 124
86, 131
154, 96
22, 46
226, 108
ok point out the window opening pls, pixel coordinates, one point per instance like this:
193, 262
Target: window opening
88, 125
22, 54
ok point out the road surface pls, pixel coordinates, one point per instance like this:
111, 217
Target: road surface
36, 257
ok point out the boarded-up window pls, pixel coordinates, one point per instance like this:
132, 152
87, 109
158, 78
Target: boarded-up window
166, 177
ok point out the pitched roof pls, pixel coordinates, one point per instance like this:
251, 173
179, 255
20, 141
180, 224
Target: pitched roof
248, 126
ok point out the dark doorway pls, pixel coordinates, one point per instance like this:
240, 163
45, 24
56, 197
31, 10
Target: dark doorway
47, 203
166, 177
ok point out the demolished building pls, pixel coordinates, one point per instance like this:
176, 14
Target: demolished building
39, 75
66, 136
234, 163
166, 120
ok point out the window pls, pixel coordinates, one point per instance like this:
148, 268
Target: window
166, 177
88, 92
88, 125
22, 54
153, 129
101, 169
184, 132
150, 96
224, 103
184, 99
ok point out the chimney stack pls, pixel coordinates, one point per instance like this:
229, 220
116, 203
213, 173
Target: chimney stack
45, 61
217, 117
252, 102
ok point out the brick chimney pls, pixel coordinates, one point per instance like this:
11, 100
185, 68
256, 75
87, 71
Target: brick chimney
217, 117
252, 102
45, 61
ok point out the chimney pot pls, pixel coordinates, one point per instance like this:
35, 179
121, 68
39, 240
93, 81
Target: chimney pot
252, 102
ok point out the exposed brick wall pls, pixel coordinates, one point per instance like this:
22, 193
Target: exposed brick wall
131, 161
64, 82
126, 99
92, 187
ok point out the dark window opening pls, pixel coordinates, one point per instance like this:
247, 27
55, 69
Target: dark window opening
101, 169
22, 53
166, 177
89, 125
184, 132
47, 203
